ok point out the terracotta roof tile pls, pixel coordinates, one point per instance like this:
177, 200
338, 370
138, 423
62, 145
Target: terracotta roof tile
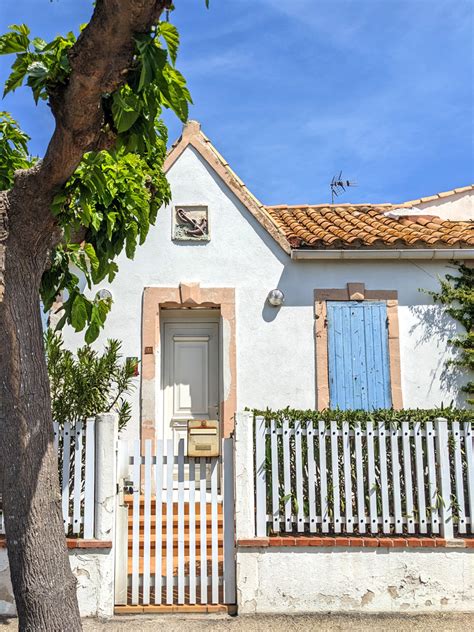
365, 226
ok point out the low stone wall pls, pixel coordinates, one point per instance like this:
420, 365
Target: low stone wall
7, 604
305, 579
93, 566
92, 561
320, 573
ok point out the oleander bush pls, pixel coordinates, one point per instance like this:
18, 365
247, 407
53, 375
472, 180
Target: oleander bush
88, 382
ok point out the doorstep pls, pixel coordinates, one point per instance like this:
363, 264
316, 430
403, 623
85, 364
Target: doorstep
177, 609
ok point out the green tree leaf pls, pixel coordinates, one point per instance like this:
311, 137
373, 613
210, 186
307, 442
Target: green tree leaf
92, 333
17, 41
152, 61
37, 75
126, 109
18, 74
79, 316
171, 36
90, 251
13, 150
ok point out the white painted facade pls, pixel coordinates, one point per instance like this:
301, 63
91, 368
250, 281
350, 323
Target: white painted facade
275, 346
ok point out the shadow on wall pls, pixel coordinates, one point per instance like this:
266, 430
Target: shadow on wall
434, 326
270, 312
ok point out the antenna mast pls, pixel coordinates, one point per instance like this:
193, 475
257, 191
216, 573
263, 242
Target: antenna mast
338, 185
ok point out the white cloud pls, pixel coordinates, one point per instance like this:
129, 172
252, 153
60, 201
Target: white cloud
337, 22
217, 63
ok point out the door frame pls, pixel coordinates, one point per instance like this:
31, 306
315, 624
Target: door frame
186, 297
355, 292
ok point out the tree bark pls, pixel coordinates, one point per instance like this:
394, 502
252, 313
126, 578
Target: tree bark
43, 584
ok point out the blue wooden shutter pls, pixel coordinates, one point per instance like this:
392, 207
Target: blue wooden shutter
359, 369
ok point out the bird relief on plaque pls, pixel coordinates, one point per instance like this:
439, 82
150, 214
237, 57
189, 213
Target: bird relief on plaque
190, 223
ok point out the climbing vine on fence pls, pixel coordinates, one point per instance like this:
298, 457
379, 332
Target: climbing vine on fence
389, 415
335, 468
457, 294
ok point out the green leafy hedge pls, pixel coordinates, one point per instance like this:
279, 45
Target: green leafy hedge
352, 416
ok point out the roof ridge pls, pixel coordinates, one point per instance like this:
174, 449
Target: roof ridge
442, 194
422, 200
334, 206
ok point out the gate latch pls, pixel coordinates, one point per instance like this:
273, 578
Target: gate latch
124, 487
127, 486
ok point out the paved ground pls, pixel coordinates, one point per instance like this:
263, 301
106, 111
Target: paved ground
320, 623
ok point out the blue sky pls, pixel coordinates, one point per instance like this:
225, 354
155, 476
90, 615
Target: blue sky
293, 92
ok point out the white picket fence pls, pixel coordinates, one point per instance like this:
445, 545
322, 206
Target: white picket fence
178, 501
413, 478
75, 444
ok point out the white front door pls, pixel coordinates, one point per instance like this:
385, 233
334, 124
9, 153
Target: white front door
190, 375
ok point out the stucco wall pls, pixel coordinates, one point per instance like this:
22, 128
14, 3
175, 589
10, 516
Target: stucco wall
275, 347
339, 580
94, 571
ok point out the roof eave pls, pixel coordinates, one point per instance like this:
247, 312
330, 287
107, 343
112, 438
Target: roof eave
407, 253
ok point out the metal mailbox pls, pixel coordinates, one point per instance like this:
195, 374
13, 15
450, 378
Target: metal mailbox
203, 438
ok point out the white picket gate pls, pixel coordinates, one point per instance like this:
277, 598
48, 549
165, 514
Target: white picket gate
412, 478
175, 526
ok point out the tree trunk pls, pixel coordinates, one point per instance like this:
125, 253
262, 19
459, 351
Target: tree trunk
44, 586
43, 583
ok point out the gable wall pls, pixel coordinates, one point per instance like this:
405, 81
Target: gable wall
454, 207
275, 347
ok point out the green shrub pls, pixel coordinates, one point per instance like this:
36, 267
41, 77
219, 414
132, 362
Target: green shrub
88, 383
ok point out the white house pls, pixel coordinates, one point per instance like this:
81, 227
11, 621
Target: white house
354, 329
351, 328
232, 304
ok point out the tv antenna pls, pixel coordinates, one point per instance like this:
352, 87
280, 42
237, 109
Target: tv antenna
338, 185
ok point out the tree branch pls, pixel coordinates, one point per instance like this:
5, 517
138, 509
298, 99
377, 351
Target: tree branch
99, 61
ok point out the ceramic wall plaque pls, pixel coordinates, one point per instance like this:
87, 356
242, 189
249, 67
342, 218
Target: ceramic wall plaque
191, 223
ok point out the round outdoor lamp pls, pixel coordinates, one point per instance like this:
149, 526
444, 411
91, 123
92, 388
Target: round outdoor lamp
104, 294
276, 298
